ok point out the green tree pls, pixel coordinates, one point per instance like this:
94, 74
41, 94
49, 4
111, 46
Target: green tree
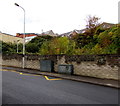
35, 44
60, 45
32, 48
40, 39
110, 39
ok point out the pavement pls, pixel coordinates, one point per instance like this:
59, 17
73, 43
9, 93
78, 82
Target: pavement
91, 80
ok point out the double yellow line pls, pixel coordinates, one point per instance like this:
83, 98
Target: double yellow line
7, 70
18, 72
28, 74
47, 78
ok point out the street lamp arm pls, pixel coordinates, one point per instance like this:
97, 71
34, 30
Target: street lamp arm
20, 6
17, 4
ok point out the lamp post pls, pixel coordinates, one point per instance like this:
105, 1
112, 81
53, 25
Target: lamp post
23, 65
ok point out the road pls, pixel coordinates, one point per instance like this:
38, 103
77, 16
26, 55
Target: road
21, 88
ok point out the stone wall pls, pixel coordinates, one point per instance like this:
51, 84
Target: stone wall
99, 66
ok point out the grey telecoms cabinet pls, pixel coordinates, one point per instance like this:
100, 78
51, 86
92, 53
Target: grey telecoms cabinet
46, 66
65, 69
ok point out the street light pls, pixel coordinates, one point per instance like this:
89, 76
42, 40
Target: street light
23, 65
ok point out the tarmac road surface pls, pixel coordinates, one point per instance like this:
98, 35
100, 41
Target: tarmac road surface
21, 88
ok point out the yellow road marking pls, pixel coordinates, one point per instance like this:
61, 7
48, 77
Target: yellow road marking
3, 70
18, 72
12, 71
52, 79
7, 70
46, 77
56, 79
28, 74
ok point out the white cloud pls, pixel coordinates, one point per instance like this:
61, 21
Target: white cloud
59, 15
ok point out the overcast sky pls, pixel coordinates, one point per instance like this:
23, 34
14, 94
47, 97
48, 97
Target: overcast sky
58, 15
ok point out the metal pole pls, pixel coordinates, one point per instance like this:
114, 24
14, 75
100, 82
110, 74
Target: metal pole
23, 59
24, 42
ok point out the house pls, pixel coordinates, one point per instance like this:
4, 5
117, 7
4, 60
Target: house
106, 25
21, 35
28, 36
50, 33
10, 38
27, 39
72, 33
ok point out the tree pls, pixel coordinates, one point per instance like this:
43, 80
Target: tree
35, 44
87, 38
8, 47
60, 45
32, 48
92, 24
40, 39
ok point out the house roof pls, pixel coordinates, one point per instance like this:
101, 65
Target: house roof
69, 33
50, 32
106, 25
21, 35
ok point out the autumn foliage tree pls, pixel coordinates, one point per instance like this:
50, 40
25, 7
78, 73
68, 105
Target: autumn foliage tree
92, 24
